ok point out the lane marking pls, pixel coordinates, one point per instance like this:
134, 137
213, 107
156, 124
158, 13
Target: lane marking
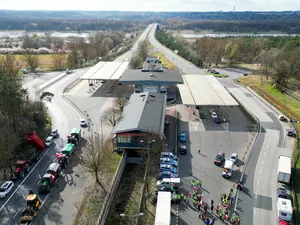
259, 171
265, 154
257, 183
16, 214
256, 195
262, 162
268, 146
5, 203
254, 211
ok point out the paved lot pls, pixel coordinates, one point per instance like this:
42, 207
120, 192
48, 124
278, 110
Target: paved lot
230, 137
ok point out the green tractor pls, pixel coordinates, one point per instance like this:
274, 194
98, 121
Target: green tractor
48, 181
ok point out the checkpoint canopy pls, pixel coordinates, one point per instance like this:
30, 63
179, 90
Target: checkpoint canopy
204, 90
105, 71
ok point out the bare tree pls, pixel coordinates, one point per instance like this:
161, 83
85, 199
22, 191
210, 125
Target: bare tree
143, 48
120, 104
111, 116
59, 61
31, 60
96, 159
8, 63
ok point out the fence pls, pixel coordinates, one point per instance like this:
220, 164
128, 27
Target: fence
287, 92
111, 193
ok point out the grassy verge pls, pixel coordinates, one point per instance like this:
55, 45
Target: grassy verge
289, 107
255, 68
128, 196
90, 205
164, 61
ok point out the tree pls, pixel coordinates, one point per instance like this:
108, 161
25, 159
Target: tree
267, 58
96, 159
120, 104
73, 59
8, 64
136, 62
59, 61
111, 115
231, 52
143, 49
31, 60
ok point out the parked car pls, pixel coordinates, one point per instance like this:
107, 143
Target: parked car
166, 174
168, 168
201, 116
217, 120
168, 161
54, 133
214, 115
220, 158
182, 150
49, 140
211, 111
6, 188
83, 123
168, 155
234, 157
182, 137
216, 72
291, 133
282, 118
282, 193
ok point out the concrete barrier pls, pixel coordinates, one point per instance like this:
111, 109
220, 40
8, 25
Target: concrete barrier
111, 191
51, 82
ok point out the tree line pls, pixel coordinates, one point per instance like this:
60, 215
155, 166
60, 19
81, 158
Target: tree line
18, 115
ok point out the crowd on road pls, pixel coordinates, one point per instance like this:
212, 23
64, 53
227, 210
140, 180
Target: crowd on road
221, 211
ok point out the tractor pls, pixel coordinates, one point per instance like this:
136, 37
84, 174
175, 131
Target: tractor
22, 167
50, 178
33, 205
63, 160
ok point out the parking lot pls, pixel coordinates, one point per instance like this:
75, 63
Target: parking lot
228, 137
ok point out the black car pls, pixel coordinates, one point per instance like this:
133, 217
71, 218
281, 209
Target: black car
282, 193
245, 74
183, 150
201, 116
220, 158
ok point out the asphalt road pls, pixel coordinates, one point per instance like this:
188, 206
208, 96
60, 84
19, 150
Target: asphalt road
234, 136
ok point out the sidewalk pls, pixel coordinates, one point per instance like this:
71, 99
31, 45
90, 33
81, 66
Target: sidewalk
170, 130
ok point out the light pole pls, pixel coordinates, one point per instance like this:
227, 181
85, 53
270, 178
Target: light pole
148, 154
131, 216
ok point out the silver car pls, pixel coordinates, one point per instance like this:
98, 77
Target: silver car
49, 141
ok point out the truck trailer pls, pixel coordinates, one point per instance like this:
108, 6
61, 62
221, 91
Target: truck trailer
284, 169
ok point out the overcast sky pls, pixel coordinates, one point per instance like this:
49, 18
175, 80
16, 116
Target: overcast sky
153, 5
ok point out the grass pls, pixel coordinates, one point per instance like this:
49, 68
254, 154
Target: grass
291, 108
165, 62
248, 66
46, 60
217, 75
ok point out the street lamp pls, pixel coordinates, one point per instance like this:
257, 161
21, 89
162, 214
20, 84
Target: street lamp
125, 215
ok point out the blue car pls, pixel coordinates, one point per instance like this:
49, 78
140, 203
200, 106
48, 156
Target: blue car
217, 121
167, 174
182, 137
168, 161
168, 155
168, 168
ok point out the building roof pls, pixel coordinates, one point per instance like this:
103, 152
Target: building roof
143, 112
204, 90
105, 71
145, 78
152, 66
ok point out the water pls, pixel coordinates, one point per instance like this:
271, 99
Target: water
16, 34
193, 36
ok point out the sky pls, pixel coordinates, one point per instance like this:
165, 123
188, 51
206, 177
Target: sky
153, 5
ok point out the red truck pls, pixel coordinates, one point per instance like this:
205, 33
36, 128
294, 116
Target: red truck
23, 166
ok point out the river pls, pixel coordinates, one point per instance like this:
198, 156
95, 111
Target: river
216, 35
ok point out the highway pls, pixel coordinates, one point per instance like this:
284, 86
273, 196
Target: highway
257, 203
59, 206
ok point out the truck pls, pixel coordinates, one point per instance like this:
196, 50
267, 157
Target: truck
284, 209
23, 166
284, 169
163, 209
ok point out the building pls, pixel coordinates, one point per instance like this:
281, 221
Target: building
143, 117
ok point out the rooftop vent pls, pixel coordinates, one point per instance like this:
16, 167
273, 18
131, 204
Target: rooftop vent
151, 75
143, 95
153, 96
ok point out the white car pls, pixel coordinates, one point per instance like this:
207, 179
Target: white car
49, 141
6, 188
234, 157
214, 115
83, 123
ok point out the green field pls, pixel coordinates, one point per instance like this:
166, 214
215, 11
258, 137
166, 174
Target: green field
164, 61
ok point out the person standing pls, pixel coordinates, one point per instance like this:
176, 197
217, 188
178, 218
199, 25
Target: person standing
212, 208
213, 221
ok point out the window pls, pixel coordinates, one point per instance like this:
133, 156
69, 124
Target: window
124, 139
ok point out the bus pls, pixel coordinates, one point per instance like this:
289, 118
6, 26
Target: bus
163, 208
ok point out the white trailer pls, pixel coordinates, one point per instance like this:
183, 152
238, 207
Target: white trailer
284, 169
284, 209
163, 208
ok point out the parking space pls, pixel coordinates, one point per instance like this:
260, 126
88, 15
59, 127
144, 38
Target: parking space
232, 136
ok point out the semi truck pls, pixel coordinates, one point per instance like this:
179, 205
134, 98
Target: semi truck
22, 166
284, 169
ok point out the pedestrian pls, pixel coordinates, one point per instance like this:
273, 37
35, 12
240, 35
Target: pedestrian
185, 199
220, 215
193, 183
207, 221
231, 200
213, 221
199, 207
225, 217
218, 207
212, 202
199, 182
212, 208
205, 207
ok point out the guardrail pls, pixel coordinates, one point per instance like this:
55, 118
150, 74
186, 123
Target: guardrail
111, 191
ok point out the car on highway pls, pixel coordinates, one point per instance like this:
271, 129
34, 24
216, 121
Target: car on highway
234, 157
282, 118
83, 123
291, 132
168, 155
54, 133
201, 115
167, 174
182, 150
215, 72
282, 193
166, 167
182, 137
245, 74
49, 140
6, 188
220, 158
168, 161
214, 115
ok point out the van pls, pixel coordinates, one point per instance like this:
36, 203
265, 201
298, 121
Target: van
284, 209
227, 170
166, 183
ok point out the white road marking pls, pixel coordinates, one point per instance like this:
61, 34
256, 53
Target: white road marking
38, 182
262, 162
256, 195
15, 214
257, 183
259, 171
5, 203
268, 146
265, 154
254, 211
